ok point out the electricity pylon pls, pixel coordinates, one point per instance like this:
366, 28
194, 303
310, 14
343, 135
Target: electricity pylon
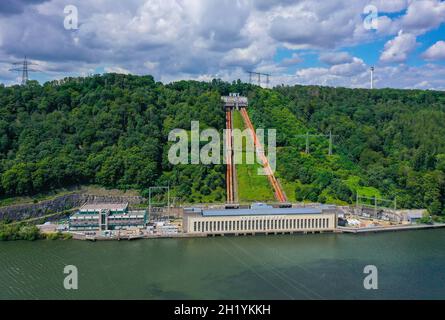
23, 68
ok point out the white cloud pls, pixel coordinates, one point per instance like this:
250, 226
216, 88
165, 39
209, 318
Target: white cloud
200, 39
332, 58
420, 17
387, 26
312, 72
343, 74
430, 76
423, 15
397, 49
116, 70
390, 6
293, 60
315, 24
435, 52
355, 67
422, 85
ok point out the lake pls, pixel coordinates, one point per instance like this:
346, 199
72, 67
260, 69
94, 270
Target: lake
411, 265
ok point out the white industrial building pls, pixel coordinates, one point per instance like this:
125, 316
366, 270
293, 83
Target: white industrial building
256, 220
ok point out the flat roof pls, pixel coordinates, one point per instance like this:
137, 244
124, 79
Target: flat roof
104, 206
262, 211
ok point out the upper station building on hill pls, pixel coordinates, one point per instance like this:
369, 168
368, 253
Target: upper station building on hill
235, 101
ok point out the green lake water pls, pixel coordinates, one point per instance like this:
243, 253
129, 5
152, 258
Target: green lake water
411, 265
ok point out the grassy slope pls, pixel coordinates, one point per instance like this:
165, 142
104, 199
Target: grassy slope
251, 186
289, 188
353, 183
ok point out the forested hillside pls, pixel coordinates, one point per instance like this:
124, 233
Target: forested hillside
112, 130
387, 143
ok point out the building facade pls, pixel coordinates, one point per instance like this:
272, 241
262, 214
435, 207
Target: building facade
107, 216
261, 220
235, 101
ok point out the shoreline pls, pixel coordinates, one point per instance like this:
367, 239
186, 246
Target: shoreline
391, 228
339, 230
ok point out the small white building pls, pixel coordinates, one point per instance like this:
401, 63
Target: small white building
412, 215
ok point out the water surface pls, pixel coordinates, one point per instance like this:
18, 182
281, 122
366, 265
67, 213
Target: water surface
411, 265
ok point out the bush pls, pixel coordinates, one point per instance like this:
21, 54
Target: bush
30, 233
51, 235
57, 236
18, 232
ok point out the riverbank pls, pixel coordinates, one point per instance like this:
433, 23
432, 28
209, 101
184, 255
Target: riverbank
390, 228
322, 266
23, 232
80, 236
349, 230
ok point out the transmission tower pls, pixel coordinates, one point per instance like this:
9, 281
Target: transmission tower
23, 68
307, 136
258, 75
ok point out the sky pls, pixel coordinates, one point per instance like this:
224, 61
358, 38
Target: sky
330, 42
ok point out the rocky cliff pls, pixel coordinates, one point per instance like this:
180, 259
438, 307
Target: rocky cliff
59, 204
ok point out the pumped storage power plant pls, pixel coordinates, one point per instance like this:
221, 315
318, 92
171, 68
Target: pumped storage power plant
236, 102
231, 102
258, 218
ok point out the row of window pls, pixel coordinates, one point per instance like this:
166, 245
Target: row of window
125, 220
73, 228
81, 225
110, 219
260, 225
110, 222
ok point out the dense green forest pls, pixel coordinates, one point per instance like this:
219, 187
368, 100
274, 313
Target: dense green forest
387, 143
112, 130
